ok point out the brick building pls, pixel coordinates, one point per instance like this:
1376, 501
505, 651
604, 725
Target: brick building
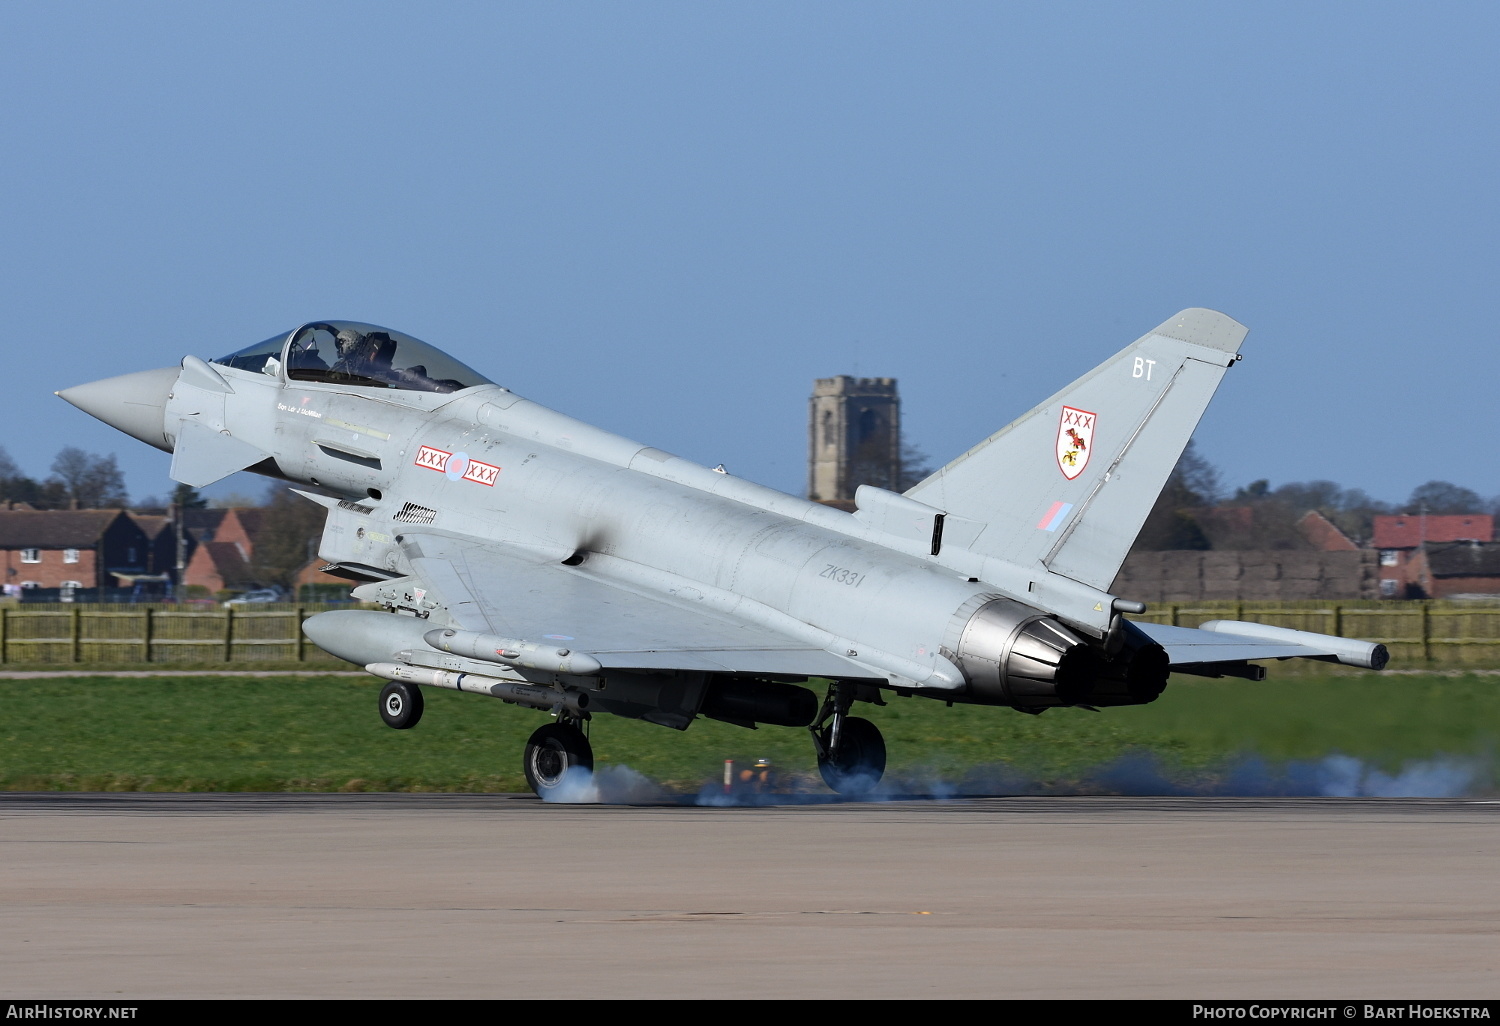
1323, 534
223, 551
161, 540
1450, 569
72, 550
1402, 540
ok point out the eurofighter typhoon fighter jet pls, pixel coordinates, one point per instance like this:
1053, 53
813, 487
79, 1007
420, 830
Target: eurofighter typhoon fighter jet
525, 555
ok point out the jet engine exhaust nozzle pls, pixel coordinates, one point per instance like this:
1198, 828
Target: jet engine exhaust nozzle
1015, 655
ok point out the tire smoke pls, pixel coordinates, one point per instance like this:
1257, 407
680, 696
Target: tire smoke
1137, 774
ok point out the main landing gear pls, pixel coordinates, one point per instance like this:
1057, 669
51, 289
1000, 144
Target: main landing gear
552, 751
851, 752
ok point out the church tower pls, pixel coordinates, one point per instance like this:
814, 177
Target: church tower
853, 436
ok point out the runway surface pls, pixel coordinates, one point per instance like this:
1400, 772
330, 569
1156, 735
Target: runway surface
139, 896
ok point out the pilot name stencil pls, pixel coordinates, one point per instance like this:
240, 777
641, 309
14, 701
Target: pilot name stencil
457, 466
302, 410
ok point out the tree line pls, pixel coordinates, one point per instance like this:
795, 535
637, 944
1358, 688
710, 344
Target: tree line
1195, 511
79, 480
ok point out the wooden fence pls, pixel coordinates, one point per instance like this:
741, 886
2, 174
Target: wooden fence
1417, 633
86, 633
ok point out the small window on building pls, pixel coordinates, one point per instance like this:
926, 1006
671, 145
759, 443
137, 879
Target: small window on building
28, 585
31, 555
1389, 557
71, 585
70, 555
1388, 587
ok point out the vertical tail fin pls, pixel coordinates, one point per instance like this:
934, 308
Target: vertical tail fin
1069, 484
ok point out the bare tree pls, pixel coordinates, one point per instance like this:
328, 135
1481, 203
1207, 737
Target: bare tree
871, 464
1172, 524
1443, 497
188, 497
89, 481
287, 538
1198, 476
915, 467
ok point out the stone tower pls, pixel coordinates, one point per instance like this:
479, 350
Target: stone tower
853, 436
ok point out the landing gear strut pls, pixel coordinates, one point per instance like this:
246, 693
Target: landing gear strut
851, 752
552, 751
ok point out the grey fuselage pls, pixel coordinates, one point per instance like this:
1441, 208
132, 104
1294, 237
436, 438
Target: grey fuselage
637, 514
981, 584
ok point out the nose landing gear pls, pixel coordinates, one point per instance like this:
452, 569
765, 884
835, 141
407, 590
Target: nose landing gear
851, 751
401, 704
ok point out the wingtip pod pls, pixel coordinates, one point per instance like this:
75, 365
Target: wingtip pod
1349, 651
1202, 327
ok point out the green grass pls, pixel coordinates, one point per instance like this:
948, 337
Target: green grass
324, 734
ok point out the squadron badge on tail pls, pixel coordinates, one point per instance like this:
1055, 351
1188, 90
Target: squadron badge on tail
1075, 436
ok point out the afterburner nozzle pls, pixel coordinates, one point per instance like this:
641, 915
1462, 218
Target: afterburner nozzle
133, 403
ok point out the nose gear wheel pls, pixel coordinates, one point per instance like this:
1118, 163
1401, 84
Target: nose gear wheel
401, 704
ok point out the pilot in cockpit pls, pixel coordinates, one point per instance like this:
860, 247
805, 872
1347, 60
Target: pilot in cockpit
364, 355
345, 353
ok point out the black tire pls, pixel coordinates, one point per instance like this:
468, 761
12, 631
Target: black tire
401, 705
857, 765
551, 752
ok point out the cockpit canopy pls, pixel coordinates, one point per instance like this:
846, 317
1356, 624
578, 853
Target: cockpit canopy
351, 353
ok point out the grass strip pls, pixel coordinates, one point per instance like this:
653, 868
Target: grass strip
324, 734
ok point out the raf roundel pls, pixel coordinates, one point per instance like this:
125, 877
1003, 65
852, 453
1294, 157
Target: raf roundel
457, 466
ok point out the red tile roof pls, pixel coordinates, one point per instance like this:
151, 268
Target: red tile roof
1407, 532
54, 528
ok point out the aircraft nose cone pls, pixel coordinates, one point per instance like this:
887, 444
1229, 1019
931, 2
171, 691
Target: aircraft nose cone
134, 403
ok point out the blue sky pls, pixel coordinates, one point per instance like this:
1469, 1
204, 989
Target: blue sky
668, 218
